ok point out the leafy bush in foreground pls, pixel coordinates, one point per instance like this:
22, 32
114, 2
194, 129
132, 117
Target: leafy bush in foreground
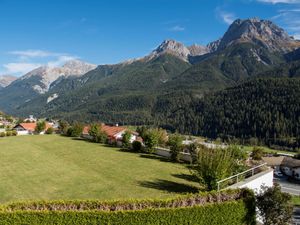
227, 207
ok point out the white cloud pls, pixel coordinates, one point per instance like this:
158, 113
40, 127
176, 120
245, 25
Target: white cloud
23, 68
280, 1
177, 28
226, 17
33, 53
27, 60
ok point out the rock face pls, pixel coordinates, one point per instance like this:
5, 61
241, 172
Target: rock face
179, 50
262, 32
6, 80
196, 50
46, 75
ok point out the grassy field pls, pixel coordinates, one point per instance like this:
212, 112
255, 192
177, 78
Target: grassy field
296, 200
268, 150
55, 167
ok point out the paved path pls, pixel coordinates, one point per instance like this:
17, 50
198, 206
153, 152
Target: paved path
296, 217
288, 187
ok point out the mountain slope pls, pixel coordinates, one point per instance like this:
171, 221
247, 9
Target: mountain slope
150, 89
261, 32
6, 80
38, 82
267, 109
109, 91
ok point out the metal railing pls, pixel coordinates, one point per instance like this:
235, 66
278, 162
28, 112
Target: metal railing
240, 176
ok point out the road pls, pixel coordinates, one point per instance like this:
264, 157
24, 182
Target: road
291, 188
296, 217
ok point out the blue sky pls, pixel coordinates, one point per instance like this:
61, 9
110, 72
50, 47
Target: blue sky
38, 32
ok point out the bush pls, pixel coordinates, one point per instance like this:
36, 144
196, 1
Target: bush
126, 139
50, 130
137, 146
227, 207
257, 153
2, 134
274, 206
151, 139
8, 133
175, 143
14, 133
40, 127
75, 130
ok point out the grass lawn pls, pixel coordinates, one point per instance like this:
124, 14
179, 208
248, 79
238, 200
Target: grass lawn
266, 149
55, 167
296, 200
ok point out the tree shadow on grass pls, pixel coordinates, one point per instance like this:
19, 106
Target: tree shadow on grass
187, 177
148, 156
80, 139
169, 186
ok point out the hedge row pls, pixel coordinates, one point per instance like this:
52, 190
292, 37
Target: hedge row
226, 207
189, 200
232, 212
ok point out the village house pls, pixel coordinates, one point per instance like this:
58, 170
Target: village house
28, 128
287, 165
114, 134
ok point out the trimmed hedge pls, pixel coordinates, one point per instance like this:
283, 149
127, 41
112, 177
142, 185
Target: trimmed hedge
188, 200
237, 210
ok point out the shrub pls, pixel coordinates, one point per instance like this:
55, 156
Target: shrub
137, 146
69, 132
274, 206
175, 143
126, 140
2, 134
63, 127
14, 133
8, 133
75, 130
50, 130
233, 213
213, 165
40, 127
151, 139
227, 207
257, 153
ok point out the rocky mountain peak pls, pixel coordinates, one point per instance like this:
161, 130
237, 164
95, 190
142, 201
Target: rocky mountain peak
196, 50
77, 67
178, 49
44, 76
262, 32
172, 47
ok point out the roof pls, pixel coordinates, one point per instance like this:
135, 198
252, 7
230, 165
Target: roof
273, 161
31, 126
290, 162
282, 161
111, 131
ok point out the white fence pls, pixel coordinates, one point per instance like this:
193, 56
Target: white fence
164, 152
240, 177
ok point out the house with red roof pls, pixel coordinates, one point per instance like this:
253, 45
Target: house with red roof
114, 133
28, 128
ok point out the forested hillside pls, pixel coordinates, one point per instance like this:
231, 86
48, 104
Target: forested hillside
264, 109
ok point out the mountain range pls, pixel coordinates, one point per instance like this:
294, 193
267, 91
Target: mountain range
151, 89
